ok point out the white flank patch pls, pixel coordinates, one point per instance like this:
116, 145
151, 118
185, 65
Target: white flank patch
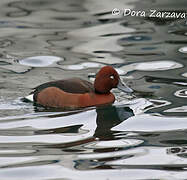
30, 97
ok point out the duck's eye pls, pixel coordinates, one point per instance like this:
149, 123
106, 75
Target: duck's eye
111, 77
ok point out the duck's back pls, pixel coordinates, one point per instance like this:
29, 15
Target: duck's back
73, 85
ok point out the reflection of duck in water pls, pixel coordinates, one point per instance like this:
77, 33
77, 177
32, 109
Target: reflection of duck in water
78, 93
109, 117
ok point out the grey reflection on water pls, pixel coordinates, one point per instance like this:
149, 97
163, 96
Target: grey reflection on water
30, 136
39, 61
183, 50
139, 137
181, 93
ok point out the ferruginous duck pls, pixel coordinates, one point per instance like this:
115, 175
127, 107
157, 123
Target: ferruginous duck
78, 93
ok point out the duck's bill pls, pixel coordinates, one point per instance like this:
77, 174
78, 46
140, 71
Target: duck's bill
124, 87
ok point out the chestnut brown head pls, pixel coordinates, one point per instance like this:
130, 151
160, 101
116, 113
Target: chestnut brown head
108, 78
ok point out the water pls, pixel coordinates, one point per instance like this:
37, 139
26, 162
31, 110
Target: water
138, 137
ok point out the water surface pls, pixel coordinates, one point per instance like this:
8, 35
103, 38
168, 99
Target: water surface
138, 137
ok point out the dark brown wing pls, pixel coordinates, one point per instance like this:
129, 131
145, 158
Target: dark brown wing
74, 85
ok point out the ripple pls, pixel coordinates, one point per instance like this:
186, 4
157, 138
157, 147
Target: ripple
40, 61
5, 43
137, 38
151, 123
62, 129
17, 152
115, 143
181, 93
179, 32
149, 66
183, 49
20, 13
137, 105
115, 154
180, 109
81, 66
184, 74
12, 105
151, 157
3, 63
158, 66
99, 46
99, 7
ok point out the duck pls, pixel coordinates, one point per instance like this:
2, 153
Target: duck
79, 93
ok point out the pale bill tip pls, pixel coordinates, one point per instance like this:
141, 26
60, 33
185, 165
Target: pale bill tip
123, 87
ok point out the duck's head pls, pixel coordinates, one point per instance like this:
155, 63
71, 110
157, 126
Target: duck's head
108, 78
